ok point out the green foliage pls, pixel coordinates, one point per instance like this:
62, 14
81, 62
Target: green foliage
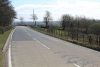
95, 28
7, 13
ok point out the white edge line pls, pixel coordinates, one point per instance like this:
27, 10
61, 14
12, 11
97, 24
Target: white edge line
76, 65
9, 57
9, 50
42, 44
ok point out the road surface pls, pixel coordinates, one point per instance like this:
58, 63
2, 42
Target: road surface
33, 49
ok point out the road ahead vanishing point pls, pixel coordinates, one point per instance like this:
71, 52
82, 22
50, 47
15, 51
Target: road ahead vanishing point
30, 48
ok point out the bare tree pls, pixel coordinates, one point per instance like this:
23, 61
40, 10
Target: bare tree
47, 19
66, 21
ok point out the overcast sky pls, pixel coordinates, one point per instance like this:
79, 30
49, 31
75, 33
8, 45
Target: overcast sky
87, 8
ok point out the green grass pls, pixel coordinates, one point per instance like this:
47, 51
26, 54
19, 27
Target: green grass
3, 38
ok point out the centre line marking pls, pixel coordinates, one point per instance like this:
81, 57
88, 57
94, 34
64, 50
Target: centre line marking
76, 65
42, 44
37, 40
27, 33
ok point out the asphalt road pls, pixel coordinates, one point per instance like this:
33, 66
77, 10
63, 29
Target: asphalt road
30, 48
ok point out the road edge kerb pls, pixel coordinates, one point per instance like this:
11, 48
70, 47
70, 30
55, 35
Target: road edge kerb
8, 41
7, 48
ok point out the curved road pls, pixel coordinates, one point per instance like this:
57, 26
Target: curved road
30, 48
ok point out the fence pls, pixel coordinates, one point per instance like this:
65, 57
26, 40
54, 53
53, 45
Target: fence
87, 40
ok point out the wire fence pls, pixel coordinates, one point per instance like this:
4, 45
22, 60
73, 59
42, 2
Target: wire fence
87, 40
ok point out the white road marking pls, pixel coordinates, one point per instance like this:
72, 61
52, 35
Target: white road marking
42, 44
9, 50
9, 57
76, 65
37, 40
27, 33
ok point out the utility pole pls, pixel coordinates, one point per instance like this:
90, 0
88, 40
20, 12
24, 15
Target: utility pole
21, 20
34, 17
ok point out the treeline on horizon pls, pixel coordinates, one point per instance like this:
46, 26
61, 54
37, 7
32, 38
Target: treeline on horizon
72, 24
80, 24
7, 15
69, 23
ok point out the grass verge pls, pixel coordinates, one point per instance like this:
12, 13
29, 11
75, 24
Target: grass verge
3, 38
